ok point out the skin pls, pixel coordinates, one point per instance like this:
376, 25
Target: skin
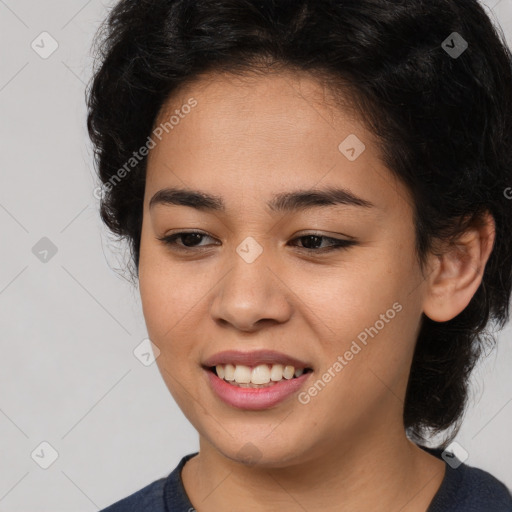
246, 140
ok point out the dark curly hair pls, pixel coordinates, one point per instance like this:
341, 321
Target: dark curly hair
443, 122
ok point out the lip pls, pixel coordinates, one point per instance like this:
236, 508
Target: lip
254, 358
255, 399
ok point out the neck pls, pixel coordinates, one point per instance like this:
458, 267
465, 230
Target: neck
390, 474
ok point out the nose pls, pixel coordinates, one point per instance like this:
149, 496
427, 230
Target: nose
251, 296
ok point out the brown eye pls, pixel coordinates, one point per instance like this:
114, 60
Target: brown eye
190, 240
184, 240
314, 243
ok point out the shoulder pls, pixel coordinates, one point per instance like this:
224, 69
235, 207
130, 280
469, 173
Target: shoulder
470, 489
481, 488
149, 499
159, 496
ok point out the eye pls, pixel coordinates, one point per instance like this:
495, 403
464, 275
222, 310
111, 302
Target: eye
189, 239
313, 243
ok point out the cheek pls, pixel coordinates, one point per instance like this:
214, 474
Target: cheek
167, 293
167, 303
348, 300
172, 299
369, 319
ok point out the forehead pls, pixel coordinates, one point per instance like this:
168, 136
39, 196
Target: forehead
263, 131
284, 105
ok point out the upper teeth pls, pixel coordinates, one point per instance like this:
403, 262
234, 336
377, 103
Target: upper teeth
261, 374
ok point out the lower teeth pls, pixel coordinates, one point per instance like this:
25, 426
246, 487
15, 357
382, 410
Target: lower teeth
250, 384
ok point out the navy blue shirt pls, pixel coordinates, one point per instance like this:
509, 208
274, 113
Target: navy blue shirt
464, 489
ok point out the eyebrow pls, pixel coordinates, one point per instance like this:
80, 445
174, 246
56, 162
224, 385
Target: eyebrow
295, 201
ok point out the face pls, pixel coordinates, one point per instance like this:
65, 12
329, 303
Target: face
330, 280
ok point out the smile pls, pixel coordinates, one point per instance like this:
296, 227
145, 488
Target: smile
255, 396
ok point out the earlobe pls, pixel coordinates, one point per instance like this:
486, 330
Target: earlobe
457, 273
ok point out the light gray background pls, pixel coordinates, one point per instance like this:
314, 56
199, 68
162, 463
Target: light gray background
68, 375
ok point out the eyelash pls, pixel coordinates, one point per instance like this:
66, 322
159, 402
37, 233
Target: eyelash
338, 244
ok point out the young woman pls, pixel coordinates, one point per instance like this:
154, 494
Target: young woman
316, 194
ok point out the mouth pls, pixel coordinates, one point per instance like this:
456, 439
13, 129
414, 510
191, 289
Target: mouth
252, 396
256, 380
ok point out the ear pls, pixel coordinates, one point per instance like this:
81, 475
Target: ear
456, 274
